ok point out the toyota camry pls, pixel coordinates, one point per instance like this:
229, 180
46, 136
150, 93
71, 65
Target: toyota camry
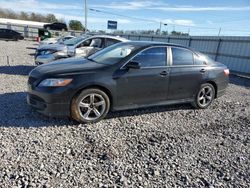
126, 75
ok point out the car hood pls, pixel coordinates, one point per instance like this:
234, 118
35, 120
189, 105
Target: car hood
56, 47
66, 66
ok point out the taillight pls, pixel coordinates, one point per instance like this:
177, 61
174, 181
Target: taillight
226, 72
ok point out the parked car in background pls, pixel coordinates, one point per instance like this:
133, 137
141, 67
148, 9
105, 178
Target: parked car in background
80, 46
126, 75
56, 26
55, 40
9, 34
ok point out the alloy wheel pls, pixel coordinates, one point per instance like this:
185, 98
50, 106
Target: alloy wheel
205, 96
92, 106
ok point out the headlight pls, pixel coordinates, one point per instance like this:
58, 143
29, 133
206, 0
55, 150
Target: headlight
47, 52
54, 82
61, 53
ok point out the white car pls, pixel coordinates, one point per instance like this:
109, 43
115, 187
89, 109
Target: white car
76, 47
54, 40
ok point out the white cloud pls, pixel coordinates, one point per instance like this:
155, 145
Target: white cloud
35, 5
176, 22
131, 5
199, 9
160, 5
209, 22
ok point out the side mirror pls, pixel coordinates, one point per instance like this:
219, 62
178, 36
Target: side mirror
133, 65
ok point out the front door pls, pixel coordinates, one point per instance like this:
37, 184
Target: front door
146, 85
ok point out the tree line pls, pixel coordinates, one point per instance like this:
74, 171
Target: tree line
75, 24
48, 18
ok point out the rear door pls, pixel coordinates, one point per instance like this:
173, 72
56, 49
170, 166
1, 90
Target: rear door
9, 34
185, 75
146, 85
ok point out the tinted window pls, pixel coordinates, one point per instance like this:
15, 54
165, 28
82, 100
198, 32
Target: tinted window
113, 54
110, 42
152, 57
199, 60
182, 57
96, 42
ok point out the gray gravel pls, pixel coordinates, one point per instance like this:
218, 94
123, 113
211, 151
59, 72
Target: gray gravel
174, 146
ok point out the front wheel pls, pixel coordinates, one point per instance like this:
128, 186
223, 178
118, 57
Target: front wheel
90, 106
205, 96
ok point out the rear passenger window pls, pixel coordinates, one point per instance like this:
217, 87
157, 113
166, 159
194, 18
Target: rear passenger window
199, 60
182, 56
152, 57
110, 42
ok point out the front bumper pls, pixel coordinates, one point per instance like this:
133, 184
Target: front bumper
48, 109
50, 103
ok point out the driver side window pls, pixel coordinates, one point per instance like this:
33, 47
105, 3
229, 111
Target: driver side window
85, 43
152, 57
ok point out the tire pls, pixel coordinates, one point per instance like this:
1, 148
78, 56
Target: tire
90, 106
204, 97
15, 38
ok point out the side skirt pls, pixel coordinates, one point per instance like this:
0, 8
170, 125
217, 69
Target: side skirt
163, 103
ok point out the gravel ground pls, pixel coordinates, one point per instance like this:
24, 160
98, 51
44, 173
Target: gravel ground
174, 146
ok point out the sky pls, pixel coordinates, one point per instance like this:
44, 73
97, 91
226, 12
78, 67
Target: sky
199, 17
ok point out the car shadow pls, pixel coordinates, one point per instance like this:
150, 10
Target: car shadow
148, 110
31, 48
17, 69
16, 113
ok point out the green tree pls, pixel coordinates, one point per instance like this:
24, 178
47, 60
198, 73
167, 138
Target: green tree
177, 33
24, 16
75, 25
51, 18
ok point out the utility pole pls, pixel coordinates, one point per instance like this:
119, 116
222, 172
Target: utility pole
160, 28
219, 31
86, 15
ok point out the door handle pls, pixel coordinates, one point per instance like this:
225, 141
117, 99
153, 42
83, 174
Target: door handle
164, 73
203, 70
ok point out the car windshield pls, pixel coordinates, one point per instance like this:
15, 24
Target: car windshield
113, 54
74, 41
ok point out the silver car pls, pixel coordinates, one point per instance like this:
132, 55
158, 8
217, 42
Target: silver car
80, 46
55, 40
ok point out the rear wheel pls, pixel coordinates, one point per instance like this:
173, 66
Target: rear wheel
205, 96
90, 106
15, 38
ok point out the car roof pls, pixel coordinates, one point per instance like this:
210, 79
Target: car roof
110, 37
155, 43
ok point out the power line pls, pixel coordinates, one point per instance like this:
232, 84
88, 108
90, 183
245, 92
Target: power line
154, 21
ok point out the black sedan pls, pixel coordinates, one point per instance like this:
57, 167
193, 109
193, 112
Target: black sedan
56, 26
127, 75
9, 34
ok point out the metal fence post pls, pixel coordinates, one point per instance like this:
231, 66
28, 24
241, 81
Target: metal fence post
217, 49
189, 41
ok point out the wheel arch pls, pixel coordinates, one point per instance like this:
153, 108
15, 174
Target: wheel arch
97, 86
215, 87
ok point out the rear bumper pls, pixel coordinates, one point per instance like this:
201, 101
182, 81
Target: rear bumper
221, 87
